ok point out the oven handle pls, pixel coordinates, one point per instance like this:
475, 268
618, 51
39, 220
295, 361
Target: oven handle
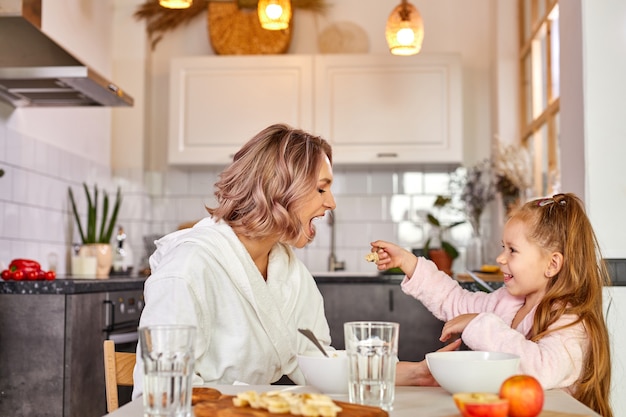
120, 338
109, 312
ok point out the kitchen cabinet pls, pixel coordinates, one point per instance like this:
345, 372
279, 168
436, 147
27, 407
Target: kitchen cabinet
218, 103
382, 109
48, 347
374, 109
419, 329
51, 337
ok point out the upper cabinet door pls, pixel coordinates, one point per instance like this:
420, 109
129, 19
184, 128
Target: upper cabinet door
218, 103
385, 109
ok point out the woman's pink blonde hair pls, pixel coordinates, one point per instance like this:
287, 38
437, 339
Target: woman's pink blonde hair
268, 178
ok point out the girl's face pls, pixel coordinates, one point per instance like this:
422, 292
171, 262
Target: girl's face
523, 263
315, 205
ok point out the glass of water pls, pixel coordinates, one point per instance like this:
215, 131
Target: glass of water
167, 352
372, 349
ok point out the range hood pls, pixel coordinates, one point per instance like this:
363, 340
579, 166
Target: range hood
36, 71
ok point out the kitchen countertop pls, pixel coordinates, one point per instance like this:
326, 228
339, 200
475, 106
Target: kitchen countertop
63, 285
69, 285
343, 277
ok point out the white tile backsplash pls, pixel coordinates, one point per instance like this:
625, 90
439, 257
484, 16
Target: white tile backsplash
436, 183
371, 204
176, 183
383, 182
356, 182
411, 182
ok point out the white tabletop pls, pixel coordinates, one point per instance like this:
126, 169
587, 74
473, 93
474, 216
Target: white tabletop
409, 402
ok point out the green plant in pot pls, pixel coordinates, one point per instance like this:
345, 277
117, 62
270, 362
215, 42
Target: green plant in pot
446, 252
96, 238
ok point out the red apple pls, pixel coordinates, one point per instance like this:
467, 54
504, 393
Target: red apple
480, 404
525, 395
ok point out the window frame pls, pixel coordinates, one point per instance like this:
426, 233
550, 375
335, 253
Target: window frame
540, 130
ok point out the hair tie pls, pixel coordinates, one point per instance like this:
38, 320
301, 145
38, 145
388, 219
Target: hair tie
550, 200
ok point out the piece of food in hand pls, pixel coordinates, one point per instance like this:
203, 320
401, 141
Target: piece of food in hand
481, 404
372, 257
525, 395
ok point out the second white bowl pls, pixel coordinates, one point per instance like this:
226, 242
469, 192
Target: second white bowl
472, 371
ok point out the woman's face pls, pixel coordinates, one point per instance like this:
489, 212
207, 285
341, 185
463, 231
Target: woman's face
523, 263
316, 203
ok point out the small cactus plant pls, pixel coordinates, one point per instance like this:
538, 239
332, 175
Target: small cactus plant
88, 234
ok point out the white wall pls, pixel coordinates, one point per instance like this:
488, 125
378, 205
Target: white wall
604, 51
592, 118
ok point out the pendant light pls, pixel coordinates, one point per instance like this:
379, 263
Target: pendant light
274, 14
405, 30
175, 4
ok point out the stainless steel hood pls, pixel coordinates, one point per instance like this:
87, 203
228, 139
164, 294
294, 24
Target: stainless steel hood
36, 71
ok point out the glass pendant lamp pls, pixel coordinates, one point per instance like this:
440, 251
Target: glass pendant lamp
175, 4
405, 30
274, 14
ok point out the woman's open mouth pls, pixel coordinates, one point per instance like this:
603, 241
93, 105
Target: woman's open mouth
312, 231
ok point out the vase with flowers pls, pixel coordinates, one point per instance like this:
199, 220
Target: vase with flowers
513, 173
475, 188
96, 242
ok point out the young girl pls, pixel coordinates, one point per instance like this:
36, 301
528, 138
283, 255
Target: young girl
549, 311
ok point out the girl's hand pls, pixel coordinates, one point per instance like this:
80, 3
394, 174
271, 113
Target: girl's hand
456, 326
393, 256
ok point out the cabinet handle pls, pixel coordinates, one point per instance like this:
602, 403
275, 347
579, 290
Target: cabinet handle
390, 300
387, 155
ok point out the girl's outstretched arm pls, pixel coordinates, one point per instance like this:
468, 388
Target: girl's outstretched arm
393, 256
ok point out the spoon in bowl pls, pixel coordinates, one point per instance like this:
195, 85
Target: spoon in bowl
309, 334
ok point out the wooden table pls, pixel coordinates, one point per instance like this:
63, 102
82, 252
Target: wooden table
409, 402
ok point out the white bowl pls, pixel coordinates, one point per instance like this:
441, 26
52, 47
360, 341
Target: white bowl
328, 375
472, 371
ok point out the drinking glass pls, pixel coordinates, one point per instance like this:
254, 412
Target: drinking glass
372, 348
167, 352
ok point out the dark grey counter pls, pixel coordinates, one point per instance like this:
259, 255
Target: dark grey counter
385, 279
72, 285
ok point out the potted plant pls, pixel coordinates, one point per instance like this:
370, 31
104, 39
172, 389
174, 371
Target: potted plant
444, 254
96, 240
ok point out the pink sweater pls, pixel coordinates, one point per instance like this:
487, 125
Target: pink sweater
555, 360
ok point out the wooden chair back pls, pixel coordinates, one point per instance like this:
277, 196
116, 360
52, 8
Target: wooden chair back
118, 370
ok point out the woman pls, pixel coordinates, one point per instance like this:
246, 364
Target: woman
234, 275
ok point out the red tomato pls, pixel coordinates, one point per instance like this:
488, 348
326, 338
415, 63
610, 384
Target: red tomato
6, 275
50, 275
32, 275
18, 275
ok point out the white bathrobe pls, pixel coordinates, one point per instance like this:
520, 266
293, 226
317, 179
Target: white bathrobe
247, 327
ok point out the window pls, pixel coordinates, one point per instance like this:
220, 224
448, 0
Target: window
539, 84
